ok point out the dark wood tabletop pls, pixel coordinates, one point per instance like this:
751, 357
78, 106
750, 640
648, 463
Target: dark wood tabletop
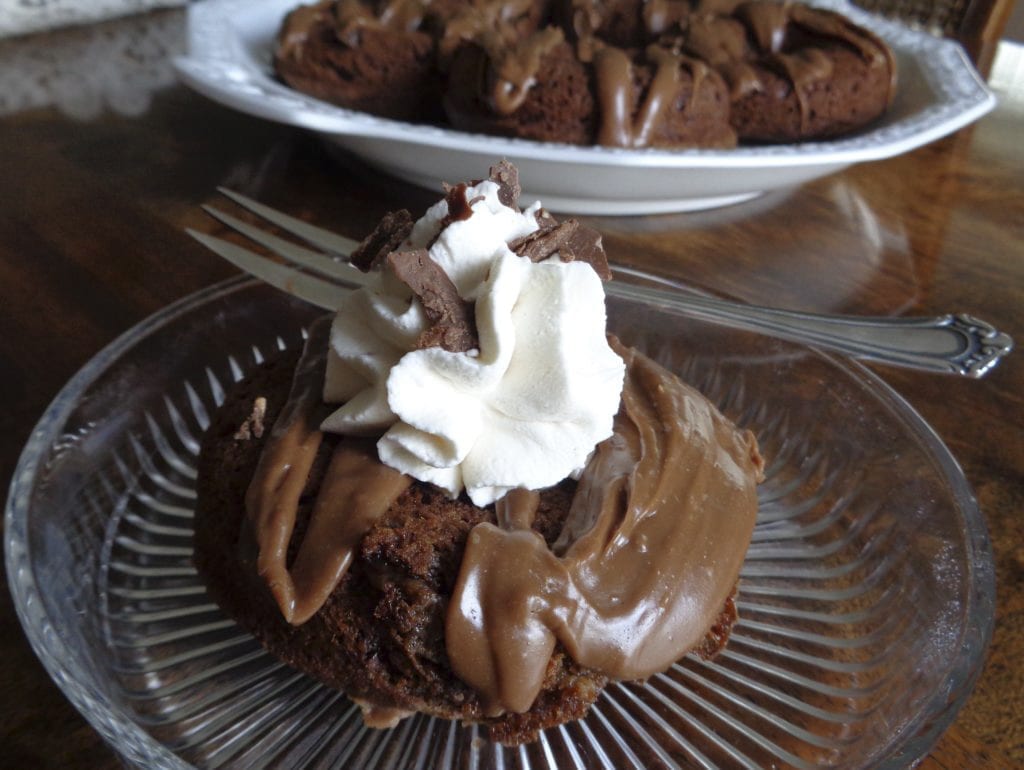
96, 190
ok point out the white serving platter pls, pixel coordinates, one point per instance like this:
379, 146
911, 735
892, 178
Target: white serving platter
939, 92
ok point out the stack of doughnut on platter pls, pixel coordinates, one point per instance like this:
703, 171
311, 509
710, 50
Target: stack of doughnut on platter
464, 497
617, 73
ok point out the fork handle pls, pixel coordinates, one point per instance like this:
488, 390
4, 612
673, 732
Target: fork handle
953, 343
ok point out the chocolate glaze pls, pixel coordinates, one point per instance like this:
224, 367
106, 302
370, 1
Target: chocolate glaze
660, 16
347, 18
357, 490
502, 20
613, 71
515, 68
721, 41
649, 553
353, 15
768, 24
517, 509
298, 25
760, 33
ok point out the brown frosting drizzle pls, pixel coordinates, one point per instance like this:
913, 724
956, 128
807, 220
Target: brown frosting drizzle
734, 37
649, 552
517, 509
514, 68
482, 18
613, 71
662, 15
768, 24
356, 491
297, 26
721, 41
347, 18
704, 7
354, 15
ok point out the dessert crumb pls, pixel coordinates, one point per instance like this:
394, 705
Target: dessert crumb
253, 425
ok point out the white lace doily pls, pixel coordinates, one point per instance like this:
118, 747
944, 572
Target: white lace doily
86, 70
19, 17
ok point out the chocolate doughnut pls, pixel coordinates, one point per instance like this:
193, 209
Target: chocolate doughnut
514, 607
542, 89
374, 60
795, 73
379, 634
495, 88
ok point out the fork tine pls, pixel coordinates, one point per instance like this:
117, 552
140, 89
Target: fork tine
332, 243
326, 266
308, 287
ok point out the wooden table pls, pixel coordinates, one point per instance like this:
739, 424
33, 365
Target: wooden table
92, 214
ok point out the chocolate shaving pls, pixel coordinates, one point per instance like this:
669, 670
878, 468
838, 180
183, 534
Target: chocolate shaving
584, 245
541, 244
452, 324
570, 239
506, 176
545, 218
387, 236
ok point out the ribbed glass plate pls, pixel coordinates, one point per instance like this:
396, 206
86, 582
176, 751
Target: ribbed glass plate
866, 598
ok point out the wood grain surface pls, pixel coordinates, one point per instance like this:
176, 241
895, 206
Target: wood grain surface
92, 215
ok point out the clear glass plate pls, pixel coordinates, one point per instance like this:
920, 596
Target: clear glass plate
939, 92
866, 599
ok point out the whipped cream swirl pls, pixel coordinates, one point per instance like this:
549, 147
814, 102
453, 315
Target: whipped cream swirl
526, 408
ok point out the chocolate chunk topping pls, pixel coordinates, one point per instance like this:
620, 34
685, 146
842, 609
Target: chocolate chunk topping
542, 243
386, 237
453, 326
570, 239
585, 245
506, 176
545, 218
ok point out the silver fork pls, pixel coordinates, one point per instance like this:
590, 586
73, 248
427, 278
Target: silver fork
953, 343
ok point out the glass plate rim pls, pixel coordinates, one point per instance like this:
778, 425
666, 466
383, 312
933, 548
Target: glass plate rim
135, 745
